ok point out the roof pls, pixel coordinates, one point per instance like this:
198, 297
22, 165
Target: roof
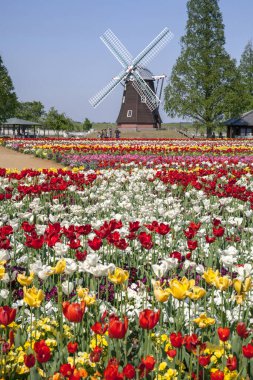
244, 120
15, 121
145, 73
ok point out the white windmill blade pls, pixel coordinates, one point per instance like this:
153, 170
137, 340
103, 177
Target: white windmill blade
116, 47
144, 90
102, 94
153, 48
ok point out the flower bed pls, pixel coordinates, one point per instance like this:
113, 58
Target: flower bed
141, 268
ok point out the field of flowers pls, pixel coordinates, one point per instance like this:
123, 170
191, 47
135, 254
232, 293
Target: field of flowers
135, 262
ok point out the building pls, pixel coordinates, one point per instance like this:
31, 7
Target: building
241, 126
18, 128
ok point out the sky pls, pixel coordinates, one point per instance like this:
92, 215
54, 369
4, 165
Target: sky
53, 53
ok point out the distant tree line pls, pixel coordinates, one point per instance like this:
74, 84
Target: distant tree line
206, 85
10, 106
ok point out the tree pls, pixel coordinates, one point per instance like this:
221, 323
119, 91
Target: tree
205, 84
246, 71
57, 121
32, 111
8, 98
87, 124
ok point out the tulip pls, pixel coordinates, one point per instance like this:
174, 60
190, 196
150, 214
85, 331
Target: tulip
222, 283
149, 362
117, 329
7, 315
129, 371
66, 370
223, 333
33, 296
119, 276
72, 347
241, 330
171, 353
29, 360
176, 339
2, 269
43, 353
232, 363
148, 319
196, 293
161, 294
25, 280
203, 321
217, 375
73, 311
179, 289
210, 276
204, 360
248, 351
60, 267
83, 294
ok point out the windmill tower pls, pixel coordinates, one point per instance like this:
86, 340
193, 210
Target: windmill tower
140, 103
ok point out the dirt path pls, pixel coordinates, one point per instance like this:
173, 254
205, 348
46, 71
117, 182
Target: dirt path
14, 160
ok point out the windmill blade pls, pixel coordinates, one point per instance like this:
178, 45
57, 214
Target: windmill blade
116, 47
153, 48
102, 94
143, 89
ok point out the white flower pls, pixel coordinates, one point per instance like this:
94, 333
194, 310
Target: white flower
67, 287
160, 270
71, 266
4, 293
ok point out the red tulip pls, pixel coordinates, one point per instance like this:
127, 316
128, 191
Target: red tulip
192, 244
223, 333
95, 355
72, 347
248, 351
176, 339
99, 328
7, 315
149, 362
145, 240
129, 371
171, 353
163, 229
232, 363
66, 370
112, 371
149, 318
241, 330
218, 232
95, 244
217, 375
117, 329
204, 360
73, 311
43, 353
29, 360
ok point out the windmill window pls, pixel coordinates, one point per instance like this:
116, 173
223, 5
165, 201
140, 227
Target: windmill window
143, 99
129, 113
123, 100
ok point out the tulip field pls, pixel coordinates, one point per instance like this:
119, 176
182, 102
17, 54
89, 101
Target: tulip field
133, 261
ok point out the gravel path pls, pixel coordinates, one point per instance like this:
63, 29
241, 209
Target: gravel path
14, 160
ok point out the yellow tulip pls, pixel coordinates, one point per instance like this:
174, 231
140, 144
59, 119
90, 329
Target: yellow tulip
161, 294
209, 276
60, 267
179, 288
83, 294
25, 280
196, 293
222, 282
33, 296
2, 269
241, 287
119, 276
203, 321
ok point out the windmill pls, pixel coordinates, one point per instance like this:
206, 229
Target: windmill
140, 101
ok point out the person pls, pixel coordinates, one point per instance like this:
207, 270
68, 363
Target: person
105, 133
102, 134
213, 135
220, 135
117, 133
110, 133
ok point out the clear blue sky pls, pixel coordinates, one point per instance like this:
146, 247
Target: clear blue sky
53, 53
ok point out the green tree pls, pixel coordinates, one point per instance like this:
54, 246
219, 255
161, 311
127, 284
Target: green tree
205, 84
8, 98
57, 121
87, 124
32, 111
246, 71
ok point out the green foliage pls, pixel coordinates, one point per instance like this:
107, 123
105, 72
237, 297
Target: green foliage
8, 98
57, 121
205, 84
246, 71
32, 111
87, 124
